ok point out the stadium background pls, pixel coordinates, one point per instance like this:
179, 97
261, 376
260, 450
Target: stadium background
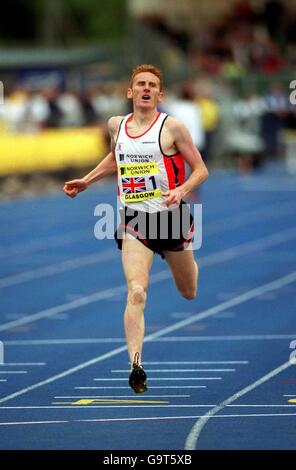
64, 66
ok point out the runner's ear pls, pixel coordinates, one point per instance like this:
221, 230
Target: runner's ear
160, 97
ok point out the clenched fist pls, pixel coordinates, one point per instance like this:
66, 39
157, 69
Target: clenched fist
72, 188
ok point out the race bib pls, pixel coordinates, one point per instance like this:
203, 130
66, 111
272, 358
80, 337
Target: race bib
139, 182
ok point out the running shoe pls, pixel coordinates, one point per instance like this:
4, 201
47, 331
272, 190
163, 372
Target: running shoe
137, 378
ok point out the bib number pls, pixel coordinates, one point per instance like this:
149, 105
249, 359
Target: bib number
139, 182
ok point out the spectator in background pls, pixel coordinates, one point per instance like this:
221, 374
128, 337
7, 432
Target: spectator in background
71, 110
36, 112
90, 116
185, 109
209, 115
12, 111
55, 114
273, 120
237, 137
107, 100
275, 18
247, 142
188, 112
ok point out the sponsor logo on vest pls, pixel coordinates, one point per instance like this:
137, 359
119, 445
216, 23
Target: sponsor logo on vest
139, 158
141, 169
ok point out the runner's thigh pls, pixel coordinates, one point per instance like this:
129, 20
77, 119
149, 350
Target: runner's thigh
137, 261
183, 267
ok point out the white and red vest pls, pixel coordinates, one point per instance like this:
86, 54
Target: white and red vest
144, 171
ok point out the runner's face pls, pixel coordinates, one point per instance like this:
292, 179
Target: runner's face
145, 91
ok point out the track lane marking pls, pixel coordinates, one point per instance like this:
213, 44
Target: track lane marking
178, 370
152, 418
150, 387
194, 434
88, 407
253, 293
86, 260
53, 342
210, 260
157, 378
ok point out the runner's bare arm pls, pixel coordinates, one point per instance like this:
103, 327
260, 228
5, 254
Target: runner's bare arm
106, 167
199, 173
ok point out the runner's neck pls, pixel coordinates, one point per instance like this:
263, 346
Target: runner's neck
141, 120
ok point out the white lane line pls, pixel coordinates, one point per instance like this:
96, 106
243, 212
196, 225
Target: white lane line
265, 337
150, 387
160, 418
45, 243
95, 258
160, 378
152, 418
210, 260
31, 422
41, 342
58, 268
23, 364
269, 187
290, 395
179, 370
13, 372
65, 373
259, 406
193, 436
135, 405
248, 247
277, 210
262, 337
125, 396
3, 380
89, 407
68, 306
173, 363
253, 293
274, 211
231, 222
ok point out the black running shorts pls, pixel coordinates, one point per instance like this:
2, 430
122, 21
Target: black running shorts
168, 230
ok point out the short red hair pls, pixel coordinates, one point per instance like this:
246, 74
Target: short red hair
147, 68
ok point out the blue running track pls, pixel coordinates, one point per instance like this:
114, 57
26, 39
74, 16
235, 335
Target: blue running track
219, 368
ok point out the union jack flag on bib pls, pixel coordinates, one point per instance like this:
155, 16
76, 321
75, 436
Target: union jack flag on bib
133, 185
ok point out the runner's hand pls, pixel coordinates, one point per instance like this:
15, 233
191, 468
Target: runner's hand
72, 188
173, 196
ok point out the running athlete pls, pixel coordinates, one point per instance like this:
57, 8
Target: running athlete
148, 151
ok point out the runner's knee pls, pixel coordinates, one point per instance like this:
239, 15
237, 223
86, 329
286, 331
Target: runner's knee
189, 293
137, 295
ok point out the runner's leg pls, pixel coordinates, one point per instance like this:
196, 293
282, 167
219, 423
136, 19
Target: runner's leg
137, 261
185, 271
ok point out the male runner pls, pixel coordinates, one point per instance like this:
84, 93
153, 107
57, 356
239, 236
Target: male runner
148, 150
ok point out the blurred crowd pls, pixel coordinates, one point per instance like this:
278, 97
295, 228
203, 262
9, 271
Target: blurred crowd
228, 128
26, 110
243, 40
241, 125
222, 123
